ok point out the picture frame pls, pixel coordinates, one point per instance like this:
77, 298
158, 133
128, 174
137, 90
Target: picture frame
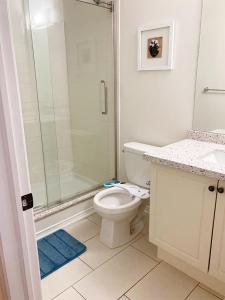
156, 46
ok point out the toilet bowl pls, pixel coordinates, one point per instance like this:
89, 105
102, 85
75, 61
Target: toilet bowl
119, 210
122, 206
116, 203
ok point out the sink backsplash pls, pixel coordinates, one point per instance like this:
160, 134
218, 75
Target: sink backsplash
204, 136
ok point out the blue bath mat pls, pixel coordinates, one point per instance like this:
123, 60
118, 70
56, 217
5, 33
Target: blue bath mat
56, 250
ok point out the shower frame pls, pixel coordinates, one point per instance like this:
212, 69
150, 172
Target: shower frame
103, 4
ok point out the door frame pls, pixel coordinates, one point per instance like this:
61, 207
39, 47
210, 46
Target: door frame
18, 249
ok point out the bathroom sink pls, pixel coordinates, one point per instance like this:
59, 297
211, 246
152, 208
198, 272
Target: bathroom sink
216, 157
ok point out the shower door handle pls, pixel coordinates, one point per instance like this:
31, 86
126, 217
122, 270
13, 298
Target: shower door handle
103, 95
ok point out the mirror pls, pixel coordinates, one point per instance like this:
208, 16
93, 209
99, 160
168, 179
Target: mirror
209, 113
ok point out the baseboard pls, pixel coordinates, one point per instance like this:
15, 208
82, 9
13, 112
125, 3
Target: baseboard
205, 279
66, 222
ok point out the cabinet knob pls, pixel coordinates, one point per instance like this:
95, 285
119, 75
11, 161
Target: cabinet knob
211, 188
220, 190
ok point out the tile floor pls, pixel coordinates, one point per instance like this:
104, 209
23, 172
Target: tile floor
129, 272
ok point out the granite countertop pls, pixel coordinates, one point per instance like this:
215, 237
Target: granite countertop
185, 155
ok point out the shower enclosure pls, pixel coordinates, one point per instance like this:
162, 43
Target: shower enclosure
70, 119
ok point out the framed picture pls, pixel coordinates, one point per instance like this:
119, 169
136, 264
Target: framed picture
155, 47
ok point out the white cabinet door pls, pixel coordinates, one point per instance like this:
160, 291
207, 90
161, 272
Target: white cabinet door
181, 214
217, 262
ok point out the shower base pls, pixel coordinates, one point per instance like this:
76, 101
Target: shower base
61, 188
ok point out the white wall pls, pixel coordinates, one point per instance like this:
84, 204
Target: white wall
156, 107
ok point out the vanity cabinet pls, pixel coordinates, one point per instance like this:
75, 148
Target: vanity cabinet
182, 218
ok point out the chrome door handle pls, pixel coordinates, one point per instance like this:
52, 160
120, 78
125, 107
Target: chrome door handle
104, 106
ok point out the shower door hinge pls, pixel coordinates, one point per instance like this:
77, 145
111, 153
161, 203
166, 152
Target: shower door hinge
27, 201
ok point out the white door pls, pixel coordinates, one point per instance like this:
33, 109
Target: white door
217, 262
181, 214
18, 252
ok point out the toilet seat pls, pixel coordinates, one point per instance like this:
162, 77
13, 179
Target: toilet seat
134, 190
115, 201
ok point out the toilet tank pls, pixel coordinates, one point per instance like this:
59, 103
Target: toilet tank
137, 169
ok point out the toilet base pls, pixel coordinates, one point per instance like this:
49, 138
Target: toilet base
114, 234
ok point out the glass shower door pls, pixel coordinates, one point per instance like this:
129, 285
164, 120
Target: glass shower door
73, 56
89, 48
44, 35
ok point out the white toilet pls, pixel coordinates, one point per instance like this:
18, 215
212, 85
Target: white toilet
120, 206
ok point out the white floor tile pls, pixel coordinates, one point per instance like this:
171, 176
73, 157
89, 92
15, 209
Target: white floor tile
123, 298
69, 294
83, 230
97, 253
146, 247
112, 279
200, 294
163, 283
63, 278
95, 218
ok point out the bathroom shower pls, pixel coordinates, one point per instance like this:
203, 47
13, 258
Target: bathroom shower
99, 2
71, 147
